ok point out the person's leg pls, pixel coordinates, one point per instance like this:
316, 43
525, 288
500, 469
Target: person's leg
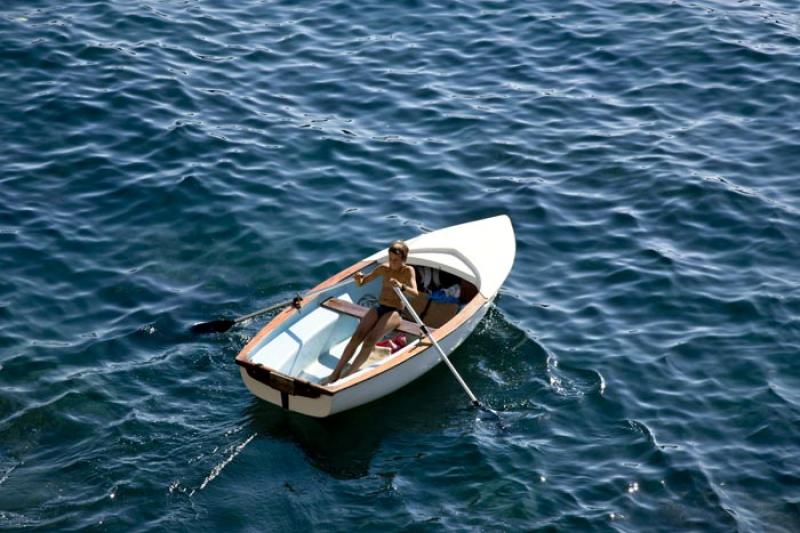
364, 326
385, 324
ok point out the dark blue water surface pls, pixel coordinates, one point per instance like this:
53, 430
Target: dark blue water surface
169, 162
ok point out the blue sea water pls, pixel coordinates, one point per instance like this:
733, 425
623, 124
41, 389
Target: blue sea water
174, 161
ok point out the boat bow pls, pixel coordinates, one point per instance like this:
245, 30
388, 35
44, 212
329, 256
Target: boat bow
481, 252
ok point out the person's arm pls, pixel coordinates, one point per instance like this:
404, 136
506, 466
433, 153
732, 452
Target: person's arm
361, 279
409, 289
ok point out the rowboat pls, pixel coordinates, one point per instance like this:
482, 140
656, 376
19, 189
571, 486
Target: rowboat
285, 361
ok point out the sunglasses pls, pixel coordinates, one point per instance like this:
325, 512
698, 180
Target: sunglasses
397, 251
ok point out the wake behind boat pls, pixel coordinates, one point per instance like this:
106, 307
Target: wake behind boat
460, 268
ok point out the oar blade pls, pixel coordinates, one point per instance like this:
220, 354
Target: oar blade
214, 326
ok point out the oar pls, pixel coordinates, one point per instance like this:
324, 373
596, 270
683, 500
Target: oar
444, 358
222, 325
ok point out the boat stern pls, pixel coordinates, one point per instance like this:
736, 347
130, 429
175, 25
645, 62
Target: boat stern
286, 392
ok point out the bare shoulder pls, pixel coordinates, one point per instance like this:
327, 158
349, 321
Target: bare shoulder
410, 270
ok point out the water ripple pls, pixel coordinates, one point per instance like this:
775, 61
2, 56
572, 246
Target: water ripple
168, 163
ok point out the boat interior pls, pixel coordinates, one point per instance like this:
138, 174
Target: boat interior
309, 345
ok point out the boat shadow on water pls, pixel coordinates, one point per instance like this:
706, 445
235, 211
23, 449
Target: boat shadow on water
344, 445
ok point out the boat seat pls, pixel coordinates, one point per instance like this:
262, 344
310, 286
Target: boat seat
358, 311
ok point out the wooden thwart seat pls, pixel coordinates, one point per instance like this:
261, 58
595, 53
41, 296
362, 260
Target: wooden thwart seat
358, 311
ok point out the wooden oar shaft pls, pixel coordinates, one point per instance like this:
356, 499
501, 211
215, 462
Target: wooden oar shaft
278, 305
223, 325
442, 355
290, 300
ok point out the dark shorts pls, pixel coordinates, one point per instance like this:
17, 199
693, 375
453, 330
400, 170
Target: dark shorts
383, 309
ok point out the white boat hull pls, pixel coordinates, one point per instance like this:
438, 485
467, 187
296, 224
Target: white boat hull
374, 388
275, 378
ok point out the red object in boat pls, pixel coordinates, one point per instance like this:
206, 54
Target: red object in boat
395, 343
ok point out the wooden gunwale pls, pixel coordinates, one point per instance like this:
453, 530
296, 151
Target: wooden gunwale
465, 314
289, 311
439, 334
